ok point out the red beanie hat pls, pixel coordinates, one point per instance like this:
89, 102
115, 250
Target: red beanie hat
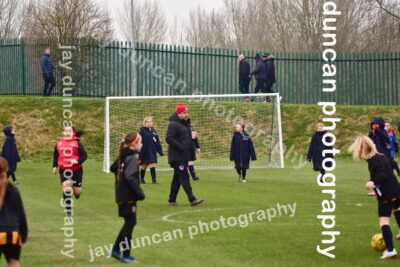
180, 108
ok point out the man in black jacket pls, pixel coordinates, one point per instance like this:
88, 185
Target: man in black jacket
259, 72
269, 72
180, 152
244, 74
47, 72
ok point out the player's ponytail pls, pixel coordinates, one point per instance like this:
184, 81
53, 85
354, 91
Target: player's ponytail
79, 133
129, 138
3, 180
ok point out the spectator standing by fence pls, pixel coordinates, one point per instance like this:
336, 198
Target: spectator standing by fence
259, 73
47, 72
244, 74
269, 71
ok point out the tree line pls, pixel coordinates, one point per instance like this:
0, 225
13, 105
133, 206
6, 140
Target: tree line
277, 25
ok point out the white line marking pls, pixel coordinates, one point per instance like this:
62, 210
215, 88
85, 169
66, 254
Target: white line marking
166, 218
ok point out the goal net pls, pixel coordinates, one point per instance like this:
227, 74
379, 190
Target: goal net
213, 117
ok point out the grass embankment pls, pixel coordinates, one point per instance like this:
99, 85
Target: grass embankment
39, 122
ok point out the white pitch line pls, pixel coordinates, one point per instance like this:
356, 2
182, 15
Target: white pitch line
166, 218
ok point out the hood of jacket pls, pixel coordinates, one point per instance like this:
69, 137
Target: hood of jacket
145, 128
8, 131
245, 134
270, 57
127, 152
380, 121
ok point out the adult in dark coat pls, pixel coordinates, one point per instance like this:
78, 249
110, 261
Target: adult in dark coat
379, 136
127, 193
180, 152
151, 146
259, 73
244, 74
47, 67
270, 79
10, 151
315, 150
242, 150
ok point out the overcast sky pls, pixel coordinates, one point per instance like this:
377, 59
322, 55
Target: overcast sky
179, 8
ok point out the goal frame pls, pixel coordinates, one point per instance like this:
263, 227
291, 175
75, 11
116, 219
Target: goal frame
107, 162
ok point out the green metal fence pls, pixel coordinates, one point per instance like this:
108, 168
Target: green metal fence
100, 70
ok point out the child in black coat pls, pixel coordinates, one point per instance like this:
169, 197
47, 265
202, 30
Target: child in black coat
242, 150
196, 149
10, 152
13, 225
315, 150
127, 193
151, 146
385, 185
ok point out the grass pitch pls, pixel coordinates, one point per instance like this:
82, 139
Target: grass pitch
283, 241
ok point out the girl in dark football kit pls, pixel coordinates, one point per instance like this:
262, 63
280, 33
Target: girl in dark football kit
242, 150
9, 151
151, 146
69, 155
385, 185
316, 148
13, 225
127, 193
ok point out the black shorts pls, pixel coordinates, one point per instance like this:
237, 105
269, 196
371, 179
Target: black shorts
11, 252
385, 208
76, 177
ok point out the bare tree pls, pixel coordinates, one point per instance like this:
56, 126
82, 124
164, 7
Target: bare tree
296, 25
150, 22
207, 29
10, 18
177, 32
391, 7
67, 19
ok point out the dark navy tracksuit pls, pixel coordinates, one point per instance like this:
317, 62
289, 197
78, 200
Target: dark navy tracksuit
10, 152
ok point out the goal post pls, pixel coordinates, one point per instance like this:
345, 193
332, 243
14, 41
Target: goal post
213, 117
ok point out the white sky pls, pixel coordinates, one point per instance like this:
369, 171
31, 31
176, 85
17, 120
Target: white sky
178, 8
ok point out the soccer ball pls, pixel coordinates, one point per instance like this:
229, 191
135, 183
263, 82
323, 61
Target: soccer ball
378, 243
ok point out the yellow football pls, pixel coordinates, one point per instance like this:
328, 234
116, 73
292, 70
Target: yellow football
378, 243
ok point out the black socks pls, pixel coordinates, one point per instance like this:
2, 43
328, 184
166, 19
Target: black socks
153, 174
388, 237
12, 174
239, 171
244, 171
397, 216
142, 174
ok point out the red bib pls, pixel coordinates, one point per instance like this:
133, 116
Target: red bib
68, 150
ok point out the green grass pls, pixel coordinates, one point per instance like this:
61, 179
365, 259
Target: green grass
284, 241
